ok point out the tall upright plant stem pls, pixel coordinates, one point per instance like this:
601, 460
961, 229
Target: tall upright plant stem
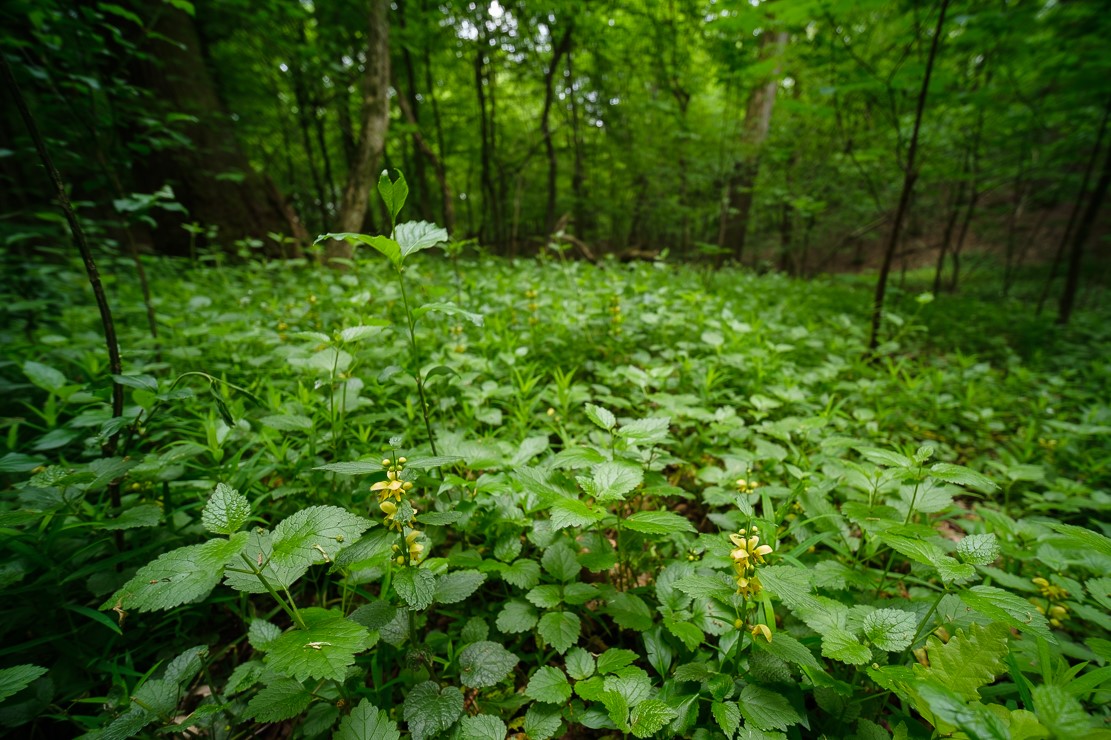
82, 244
909, 178
416, 360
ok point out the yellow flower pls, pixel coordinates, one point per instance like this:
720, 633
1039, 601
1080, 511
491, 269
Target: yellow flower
761, 629
748, 550
391, 511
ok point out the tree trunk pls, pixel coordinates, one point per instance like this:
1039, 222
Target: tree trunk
1072, 277
578, 171
545, 128
1075, 212
372, 135
911, 174
758, 117
437, 164
173, 68
419, 157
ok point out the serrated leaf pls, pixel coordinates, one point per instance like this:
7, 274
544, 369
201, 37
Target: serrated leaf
484, 664
580, 664
569, 512
367, 722
279, 700
614, 660
971, 659
560, 629
261, 634
356, 467
545, 597
766, 709
414, 236
657, 522
689, 634
610, 481
1003, 606
1084, 539
448, 309
1061, 712
560, 563
314, 535
649, 717
451, 588
645, 431
890, 629
843, 646
978, 549
287, 422
975, 720
542, 721
788, 649
394, 192
549, 685
889, 458
604, 418
928, 553
359, 333
383, 244
430, 710
482, 727
701, 587
728, 716
630, 612
522, 573
516, 616
226, 511
143, 515
415, 586
962, 476
15, 679
322, 651
632, 683
178, 577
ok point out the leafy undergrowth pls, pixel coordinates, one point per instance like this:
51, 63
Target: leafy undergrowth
655, 501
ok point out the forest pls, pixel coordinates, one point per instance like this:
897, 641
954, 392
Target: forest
529, 369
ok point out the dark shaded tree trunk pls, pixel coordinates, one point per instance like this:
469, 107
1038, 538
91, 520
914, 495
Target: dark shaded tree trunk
1083, 229
173, 68
583, 222
910, 176
437, 165
419, 157
758, 116
301, 96
375, 120
545, 128
1076, 208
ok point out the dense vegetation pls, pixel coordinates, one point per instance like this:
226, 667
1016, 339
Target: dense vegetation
566, 466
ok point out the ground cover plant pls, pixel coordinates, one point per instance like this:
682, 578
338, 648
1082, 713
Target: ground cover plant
480, 498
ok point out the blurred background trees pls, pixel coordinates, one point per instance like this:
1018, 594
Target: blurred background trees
772, 133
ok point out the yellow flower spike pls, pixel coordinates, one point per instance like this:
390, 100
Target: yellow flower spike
411, 537
389, 507
761, 629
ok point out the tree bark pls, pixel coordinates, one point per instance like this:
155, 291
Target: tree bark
758, 116
1072, 277
545, 128
372, 135
911, 174
173, 68
437, 164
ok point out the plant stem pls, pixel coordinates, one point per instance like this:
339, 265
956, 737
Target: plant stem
416, 361
926, 619
288, 608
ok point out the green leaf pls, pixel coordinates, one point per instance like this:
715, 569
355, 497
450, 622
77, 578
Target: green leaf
890, 629
451, 588
962, 476
632, 683
561, 630
287, 422
386, 246
356, 467
146, 383
600, 416
928, 553
765, 709
367, 722
278, 701
1003, 606
323, 650
226, 511
178, 576
843, 646
630, 612
15, 679
1061, 712
650, 716
393, 192
1084, 539
645, 431
974, 719
430, 710
610, 481
978, 549
614, 660
522, 574
448, 309
482, 727
549, 685
546, 596
143, 515
618, 709
657, 522
516, 616
413, 236
788, 649
560, 563
416, 587
359, 333
970, 659
728, 716
484, 664
689, 634
314, 535
44, 376
542, 721
570, 512
701, 587
884, 457
261, 634
580, 664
